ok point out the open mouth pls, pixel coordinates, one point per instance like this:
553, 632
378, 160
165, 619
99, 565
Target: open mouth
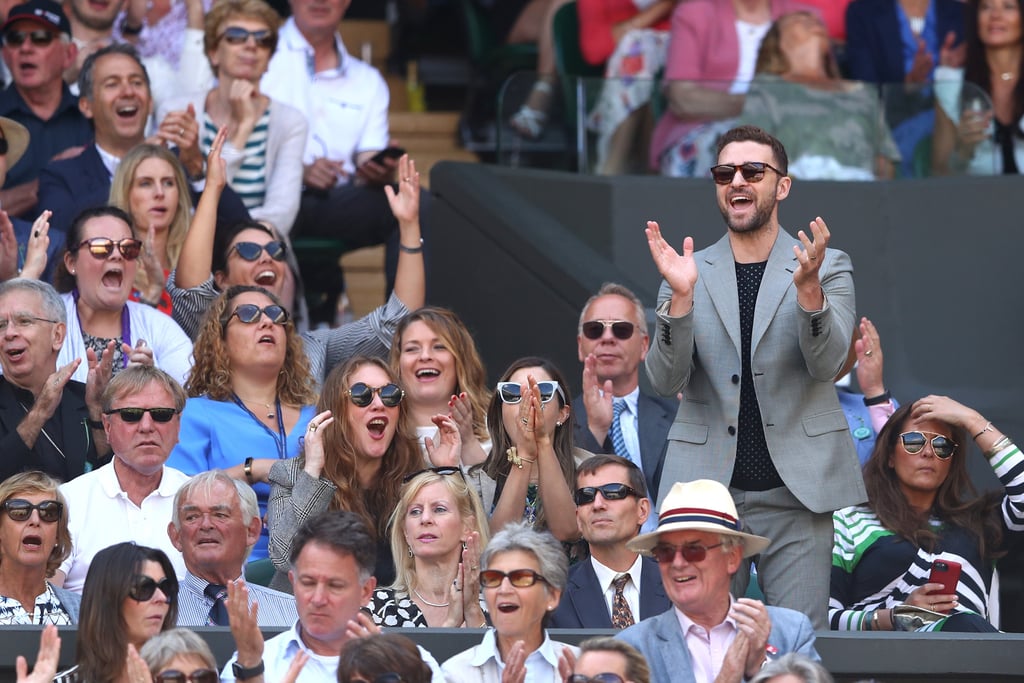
33, 542
266, 278
15, 354
684, 579
127, 111
428, 373
113, 278
376, 426
740, 201
267, 339
507, 607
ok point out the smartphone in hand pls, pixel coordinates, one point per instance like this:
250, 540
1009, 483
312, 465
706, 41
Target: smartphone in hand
946, 572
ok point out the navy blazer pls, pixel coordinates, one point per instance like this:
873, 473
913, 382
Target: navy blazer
874, 45
69, 186
654, 419
583, 604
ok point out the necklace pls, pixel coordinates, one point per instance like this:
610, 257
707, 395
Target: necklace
427, 602
269, 406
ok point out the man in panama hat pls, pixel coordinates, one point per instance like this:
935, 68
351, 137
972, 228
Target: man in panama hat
707, 634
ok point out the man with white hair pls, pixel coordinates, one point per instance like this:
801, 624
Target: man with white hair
707, 635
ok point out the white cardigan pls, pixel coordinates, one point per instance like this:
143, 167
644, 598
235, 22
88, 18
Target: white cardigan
172, 349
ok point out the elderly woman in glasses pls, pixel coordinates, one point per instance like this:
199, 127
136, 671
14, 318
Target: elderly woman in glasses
530, 471
251, 394
179, 656
358, 451
34, 540
523, 574
922, 513
98, 274
130, 595
437, 531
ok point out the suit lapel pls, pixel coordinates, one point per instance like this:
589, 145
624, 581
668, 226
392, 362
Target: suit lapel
587, 598
653, 422
673, 648
778, 278
719, 273
652, 593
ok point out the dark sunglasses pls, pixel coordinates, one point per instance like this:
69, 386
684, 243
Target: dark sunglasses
20, 509
103, 247
250, 313
943, 447
236, 35
753, 171
382, 678
588, 494
361, 394
443, 471
520, 578
133, 415
512, 392
599, 678
144, 587
39, 37
250, 251
621, 329
692, 552
197, 676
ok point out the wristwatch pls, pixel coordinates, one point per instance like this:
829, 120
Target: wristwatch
243, 674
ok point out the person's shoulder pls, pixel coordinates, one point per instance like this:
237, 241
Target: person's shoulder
788, 621
83, 484
643, 630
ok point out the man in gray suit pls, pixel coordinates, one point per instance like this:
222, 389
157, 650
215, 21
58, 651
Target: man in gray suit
753, 331
707, 635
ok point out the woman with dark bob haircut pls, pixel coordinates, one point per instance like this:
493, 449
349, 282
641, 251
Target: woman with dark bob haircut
128, 589
922, 516
364, 659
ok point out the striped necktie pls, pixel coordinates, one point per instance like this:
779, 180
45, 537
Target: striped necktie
618, 440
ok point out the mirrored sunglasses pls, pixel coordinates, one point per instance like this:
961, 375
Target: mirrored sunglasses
520, 578
236, 35
144, 587
616, 491
753, 171
692, 552
103, 247
621, 329
942, 446
250, 251
250, 313
197, 676
512, 392
19, 509
361, 394
133, 415
39, 37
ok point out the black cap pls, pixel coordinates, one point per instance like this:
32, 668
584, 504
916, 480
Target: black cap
46, 13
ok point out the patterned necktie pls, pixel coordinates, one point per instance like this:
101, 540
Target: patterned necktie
219, 612
622, 616
619, 441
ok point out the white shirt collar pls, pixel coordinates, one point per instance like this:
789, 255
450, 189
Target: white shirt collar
488, 649
605, 575
292, 39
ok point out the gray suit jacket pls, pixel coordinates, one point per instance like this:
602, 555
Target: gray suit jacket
795, 355
660, 640
583, 603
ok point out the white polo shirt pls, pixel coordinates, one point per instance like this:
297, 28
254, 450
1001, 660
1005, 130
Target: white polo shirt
346, 107
100, 515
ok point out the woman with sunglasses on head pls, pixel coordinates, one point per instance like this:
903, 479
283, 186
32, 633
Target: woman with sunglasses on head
437, 531
34, 540
250, 394
98, 274
357, 453
440, 368
523, 573
130, 595
530, 471
923, 513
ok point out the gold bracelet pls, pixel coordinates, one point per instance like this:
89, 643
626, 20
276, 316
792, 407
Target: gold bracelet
874, 621
513, 457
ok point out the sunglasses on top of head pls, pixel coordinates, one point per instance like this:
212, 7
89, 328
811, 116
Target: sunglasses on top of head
197, 676
942, 446
361, 394
512, 392
621, 329
19, 509
39, 37
143, 588
250, 251
236, 35
103, 247
250, 313
752, 171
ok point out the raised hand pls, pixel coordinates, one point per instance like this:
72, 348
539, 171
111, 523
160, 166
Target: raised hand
473, 615
243, 619
53, 389
462, 412
362, 625
140, 354
597, 399
216, 167
515, 664
679, 270
448, 452
405, 204
46, 661
752, 619
313, 450
869, 360
101, 369
8, 248
38, 243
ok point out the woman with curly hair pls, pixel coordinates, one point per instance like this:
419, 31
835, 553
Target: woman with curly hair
923, 511
358, 451
440, 368
250, 393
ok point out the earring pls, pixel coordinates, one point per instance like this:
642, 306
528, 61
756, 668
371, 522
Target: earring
558, 424
410, 551
72, 271
463, 545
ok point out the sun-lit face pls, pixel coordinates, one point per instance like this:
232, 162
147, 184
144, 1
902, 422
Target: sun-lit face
426, 365
433, 526
142, 446
617, 359
243, 61
610, 522
104, 283
699, 589
750, 206
999, 23
29, 345
264, 271
29, 543
143, 620
262, 343
214, 538
372, 428
153, 196
318, 17
36, 68
120, 103
921, 474
518, 613
553, 411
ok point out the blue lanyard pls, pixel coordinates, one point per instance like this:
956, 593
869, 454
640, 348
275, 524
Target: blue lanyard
281, 438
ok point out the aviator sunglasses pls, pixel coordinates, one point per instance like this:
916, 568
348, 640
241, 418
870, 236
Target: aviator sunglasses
692, 552
250, 313
621, 329
103, 247
512, 392
197, 676
236, 35
144, 587
753, 171
942, 446
250, 251
39, 37
361, 394
19, 509
616, 491
133, 415
520, 578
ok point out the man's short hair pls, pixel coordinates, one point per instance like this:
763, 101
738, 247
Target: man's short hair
762, 137
636, 666
85, 83
615, 289
205, 481
52, 305
134, 379
343, 532
591, 465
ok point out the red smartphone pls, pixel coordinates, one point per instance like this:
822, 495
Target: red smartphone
946, 572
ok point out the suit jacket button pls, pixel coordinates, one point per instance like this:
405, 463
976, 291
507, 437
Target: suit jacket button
735, 379
732, 431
